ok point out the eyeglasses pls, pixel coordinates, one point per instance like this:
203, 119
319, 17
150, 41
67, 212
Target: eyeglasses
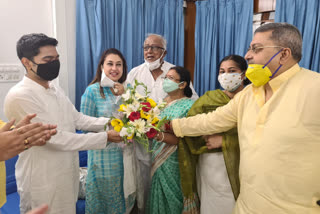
257, 49
153, 48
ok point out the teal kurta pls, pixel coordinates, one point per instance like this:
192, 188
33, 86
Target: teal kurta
166, 196
104, 185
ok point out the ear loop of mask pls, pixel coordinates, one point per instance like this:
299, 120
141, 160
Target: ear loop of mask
270, 61
162, 55
31, 67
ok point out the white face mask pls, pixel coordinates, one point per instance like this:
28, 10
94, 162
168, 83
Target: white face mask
106, 81
230, 81
155, 64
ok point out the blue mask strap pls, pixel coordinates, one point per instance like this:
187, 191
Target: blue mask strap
275, 71
272, 58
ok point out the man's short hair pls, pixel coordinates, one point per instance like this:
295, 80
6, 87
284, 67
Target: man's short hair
163, 40
28, 45
285, 35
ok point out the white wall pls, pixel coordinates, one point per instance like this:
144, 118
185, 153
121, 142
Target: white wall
65, 19
55, 18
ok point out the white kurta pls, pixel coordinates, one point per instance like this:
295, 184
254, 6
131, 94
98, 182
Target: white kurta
213, 183
50, 173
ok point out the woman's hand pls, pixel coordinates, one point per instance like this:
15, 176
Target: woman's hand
118, 88
213, 141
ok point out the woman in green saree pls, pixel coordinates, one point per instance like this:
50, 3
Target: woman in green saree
209, 165
165, 195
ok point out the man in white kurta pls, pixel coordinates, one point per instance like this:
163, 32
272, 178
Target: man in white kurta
278, 126
151, 73
50, 174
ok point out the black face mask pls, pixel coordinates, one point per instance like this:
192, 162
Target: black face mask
48, 71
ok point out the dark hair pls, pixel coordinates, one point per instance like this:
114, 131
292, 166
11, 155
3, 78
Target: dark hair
28, 45
104, 55
285, 35
184, 77
240, 62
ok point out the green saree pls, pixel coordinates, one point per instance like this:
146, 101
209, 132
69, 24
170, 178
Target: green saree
166, 196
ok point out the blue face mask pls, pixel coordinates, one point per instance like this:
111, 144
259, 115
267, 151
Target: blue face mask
169, 85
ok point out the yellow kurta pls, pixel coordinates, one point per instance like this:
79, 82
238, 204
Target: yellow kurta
2, 178
279, 143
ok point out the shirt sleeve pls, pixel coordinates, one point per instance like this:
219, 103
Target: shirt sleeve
19, 107
221, 120
85, 122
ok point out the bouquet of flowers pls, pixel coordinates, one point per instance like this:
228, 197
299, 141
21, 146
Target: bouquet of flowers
138, 119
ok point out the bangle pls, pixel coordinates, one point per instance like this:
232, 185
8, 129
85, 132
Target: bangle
161, 138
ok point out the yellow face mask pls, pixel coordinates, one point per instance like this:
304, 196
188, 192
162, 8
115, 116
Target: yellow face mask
260, 74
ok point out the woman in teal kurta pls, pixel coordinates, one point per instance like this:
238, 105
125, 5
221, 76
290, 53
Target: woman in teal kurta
166, 195
105, 192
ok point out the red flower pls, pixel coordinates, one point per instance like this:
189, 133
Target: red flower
147, 106
134, 116
151, 133
167, 126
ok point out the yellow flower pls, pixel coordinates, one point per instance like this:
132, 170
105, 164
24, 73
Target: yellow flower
143, 115
152, 102
130, 137
122, 107
155, 120
117, 124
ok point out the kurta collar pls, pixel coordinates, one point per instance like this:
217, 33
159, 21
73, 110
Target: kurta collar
29, 82
274, 84
284, 77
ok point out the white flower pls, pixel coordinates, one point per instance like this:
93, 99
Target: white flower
127, 110
126, 96
124, 132
139, 125
155, 111
135, 105
138, 96
161, 104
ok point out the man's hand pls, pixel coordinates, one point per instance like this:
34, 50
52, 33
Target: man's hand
114, 136
213, 141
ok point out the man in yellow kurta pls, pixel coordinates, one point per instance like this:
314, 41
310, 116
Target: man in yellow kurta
278, 124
